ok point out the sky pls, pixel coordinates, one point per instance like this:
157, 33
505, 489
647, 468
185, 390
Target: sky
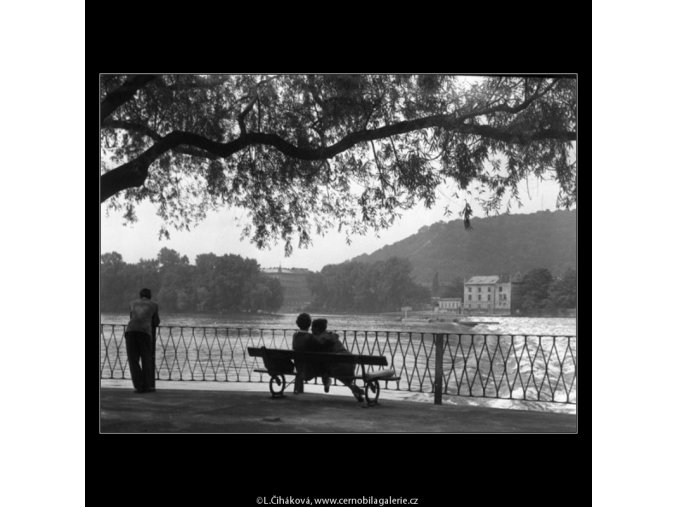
220, 233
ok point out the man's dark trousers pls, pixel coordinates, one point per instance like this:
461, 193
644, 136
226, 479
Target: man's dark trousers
154, 340
140, 347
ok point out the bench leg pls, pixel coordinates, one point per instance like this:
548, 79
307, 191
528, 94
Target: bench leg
277, 384
298, 384
372, 390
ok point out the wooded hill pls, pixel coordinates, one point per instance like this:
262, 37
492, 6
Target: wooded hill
503, 244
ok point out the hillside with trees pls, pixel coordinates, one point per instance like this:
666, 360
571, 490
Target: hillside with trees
504, 244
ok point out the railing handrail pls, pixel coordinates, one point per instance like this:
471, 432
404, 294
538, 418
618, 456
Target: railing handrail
342, 330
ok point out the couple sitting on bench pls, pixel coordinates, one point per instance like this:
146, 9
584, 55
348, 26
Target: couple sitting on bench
320, 340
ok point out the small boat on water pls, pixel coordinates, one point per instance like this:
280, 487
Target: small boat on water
473, 324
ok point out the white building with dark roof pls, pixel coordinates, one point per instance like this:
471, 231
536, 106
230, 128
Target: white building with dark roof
492, 294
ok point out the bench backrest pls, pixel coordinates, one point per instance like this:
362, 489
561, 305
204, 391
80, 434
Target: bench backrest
333, 358
274, 360
279, 358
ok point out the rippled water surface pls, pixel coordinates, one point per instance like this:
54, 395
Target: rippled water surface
505, 325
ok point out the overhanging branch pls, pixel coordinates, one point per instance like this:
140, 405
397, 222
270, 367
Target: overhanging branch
148, 132
112, 183
123, 94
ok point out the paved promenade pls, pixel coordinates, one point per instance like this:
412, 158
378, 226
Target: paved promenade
185, 410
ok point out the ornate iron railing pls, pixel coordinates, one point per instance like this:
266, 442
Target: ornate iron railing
517, 367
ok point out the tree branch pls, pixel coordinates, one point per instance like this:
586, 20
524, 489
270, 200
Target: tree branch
250, 105
132, 127
148, 132
123, 94
245, 111
111, 184
512, 136
505, 108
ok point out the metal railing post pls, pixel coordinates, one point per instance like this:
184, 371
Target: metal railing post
439, 351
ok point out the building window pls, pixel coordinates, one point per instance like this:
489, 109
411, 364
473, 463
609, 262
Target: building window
469, 298
500, 289
488, 297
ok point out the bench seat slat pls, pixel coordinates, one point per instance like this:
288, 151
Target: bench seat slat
382, 379
354, 377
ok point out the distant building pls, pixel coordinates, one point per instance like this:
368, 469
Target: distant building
490, 294
451, 305
294, 282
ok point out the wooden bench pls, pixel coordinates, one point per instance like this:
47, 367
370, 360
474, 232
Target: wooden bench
278, 363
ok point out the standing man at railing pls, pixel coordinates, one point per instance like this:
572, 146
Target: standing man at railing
140, 340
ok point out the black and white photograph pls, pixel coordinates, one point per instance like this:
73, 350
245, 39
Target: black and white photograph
338, 253
337, 259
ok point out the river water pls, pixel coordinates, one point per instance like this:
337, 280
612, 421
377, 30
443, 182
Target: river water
389, 322
528, 359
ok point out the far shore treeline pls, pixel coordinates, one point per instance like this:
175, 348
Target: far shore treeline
214, 284
231, 283
359, 287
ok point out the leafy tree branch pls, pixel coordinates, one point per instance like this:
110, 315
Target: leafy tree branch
194, 143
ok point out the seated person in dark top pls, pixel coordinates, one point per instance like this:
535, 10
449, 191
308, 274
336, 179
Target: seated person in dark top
304, 341
330, 342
